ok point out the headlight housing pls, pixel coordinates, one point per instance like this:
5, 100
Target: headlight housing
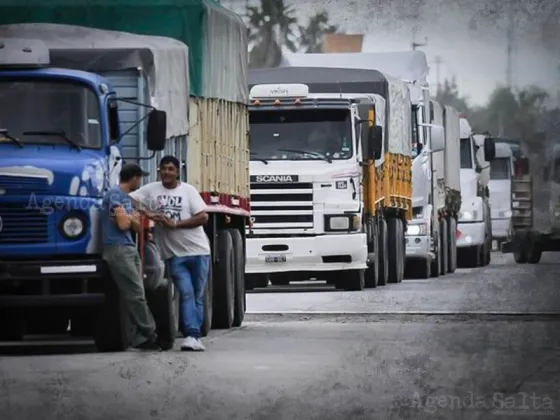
343, 222
420, 229
73, 226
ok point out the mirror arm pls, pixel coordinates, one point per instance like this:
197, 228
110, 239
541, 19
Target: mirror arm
137, 123
153, 155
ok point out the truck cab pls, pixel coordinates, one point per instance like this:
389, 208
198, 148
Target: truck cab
306, 182
59, 153
499, 186
474, 227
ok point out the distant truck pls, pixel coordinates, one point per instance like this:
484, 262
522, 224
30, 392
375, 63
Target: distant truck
330, 176
430, 236
474, 231
501, 172
535, 206
73, 110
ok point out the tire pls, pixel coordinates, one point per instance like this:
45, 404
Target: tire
164, 305
521, 254
435, 264
353, 280
394, 252
208, 306
383, 270
82, 323
111, 329
239, 278
12, 325
443, 229
372, 272
224, 283
452, 252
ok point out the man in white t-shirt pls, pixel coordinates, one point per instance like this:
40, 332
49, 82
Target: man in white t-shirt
180, 212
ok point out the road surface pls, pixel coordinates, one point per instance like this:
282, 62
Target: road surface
376, 354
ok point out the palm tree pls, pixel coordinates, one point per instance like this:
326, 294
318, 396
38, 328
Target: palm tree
311, 36
271, 27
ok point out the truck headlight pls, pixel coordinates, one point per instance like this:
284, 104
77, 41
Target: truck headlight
417, 230
72, 226
343, 222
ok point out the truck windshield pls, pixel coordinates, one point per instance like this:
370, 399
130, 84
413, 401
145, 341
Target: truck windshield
500, 169
466, 154
49, 112
287, 134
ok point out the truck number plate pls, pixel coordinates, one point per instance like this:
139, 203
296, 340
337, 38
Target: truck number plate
275, 258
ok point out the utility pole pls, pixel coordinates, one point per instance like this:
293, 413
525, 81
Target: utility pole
510, 39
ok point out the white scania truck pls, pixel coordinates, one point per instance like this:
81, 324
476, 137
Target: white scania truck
330, 176
474, 233
430, 236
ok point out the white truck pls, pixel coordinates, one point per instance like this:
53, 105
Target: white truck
501, 172
430, 236
328, 199
474, 232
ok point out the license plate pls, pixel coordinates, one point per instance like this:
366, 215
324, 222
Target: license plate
275, 258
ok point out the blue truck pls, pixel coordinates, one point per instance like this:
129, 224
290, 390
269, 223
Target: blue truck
60, 149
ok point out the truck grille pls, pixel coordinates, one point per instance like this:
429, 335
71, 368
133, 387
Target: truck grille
21, 225
285, 206
23, 184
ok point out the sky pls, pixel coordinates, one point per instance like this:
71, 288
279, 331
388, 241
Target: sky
476, 55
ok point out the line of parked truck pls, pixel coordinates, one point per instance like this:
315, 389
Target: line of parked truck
338, 167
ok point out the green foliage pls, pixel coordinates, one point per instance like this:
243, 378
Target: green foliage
273, 26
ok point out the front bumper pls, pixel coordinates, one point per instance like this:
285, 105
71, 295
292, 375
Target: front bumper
51, 283
500, 228
417, 246
471, 234
316, 253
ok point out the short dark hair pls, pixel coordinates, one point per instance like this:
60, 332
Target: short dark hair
170, 159
131, 170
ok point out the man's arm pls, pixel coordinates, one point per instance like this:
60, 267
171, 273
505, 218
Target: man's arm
198, 209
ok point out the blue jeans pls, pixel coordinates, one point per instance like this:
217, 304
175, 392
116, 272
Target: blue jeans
190, 275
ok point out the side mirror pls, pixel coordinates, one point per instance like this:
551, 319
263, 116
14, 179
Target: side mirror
113, 114
374, 142
437, 135
489, 149
157, 130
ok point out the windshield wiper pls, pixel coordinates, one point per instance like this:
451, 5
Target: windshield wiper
258, 158
60, 134
4, 132
307, 152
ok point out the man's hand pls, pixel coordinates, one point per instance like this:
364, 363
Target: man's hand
168, 223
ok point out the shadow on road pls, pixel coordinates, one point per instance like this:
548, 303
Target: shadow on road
297, 287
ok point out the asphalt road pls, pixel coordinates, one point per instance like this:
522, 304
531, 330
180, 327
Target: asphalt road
457, 347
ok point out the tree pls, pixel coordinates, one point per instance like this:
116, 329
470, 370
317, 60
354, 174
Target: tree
271, 26
448, 94
311, 36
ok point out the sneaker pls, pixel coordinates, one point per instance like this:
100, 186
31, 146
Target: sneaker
147, 345
192, 344
200, 345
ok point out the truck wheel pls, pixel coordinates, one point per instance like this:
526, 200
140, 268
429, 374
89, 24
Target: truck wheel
383, 247
353, 280
164, 305
520, 240
372, 272
395, 250
208, 304
111, 329
534, 255
12, 325
402, 252
435, 264
488, 252
239, 256
224, 283
82, 323
444, 247
452, 242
